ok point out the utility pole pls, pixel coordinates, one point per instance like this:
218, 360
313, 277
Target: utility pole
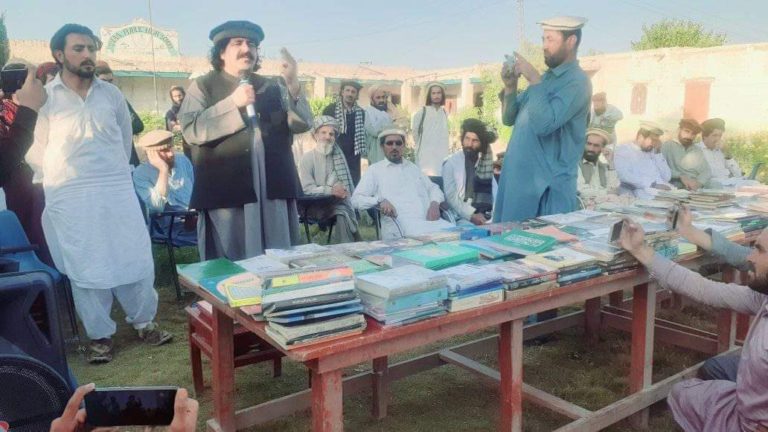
520, 24
154, 66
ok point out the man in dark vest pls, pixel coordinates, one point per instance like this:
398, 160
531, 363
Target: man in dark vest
240, 127
351, 117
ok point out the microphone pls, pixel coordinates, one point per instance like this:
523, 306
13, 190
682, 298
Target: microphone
249, 109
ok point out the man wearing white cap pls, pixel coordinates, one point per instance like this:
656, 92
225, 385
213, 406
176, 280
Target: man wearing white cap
324, 170
430, 131
642, 172
408, 200
164, 181
550, 120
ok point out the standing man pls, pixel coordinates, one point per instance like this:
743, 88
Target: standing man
430, 131
468, 174
377, 118
246, 181
642, 171
604, 116
172, 123
92, 219
351, 118
324, 170
690, 169
550, 119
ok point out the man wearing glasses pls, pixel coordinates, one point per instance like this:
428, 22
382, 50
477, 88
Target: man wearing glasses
408, 200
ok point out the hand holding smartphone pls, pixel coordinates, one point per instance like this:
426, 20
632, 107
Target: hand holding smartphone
130, 406
12, 79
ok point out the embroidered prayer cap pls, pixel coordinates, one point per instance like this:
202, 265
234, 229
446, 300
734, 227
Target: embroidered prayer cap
690, 124
563, 23
155, 140
602, 133
351, 83
599, 97
387, 132
325, 120
652, 127
242, 29
710, 125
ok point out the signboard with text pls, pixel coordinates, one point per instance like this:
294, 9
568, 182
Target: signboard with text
137, 40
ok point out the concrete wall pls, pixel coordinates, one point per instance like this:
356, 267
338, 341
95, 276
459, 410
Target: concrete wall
139, 91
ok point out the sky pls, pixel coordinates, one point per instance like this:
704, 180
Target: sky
415, 33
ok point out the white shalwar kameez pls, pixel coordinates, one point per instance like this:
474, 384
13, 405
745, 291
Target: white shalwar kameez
92, 218
432, 146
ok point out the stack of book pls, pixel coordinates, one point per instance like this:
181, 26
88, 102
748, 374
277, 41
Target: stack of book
572, 266
675, 195
358, 266
515, 243
304, 251
312, 305
435, 257
612, 259
471, 285
709, 199
522, 277
403, 295
382, 250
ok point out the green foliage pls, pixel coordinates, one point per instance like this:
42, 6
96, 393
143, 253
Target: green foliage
677, 33
318, 104
152, 121
5, 49
749, 150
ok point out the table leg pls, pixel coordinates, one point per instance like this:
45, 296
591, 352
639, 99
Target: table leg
641, 365
592, 320
223, 370
380, 387
511, 370
327, 406
616, 299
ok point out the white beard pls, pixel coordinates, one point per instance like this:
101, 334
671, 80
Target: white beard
325, 147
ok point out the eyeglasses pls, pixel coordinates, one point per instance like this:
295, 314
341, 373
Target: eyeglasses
396, 143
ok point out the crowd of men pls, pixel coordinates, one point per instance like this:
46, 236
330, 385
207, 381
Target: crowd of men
67, 152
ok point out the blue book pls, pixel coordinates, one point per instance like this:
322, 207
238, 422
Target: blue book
329, 313
480, 289
315, 308
410, 301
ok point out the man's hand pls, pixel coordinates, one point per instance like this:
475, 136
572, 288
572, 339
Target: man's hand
684, 220
290, 72
387, 209
478, 219
176, 127
244, 95
339, 191
32, 94
153, 157
525, 68
73, 418
632, 239
689, 183
433, 213
509, 77
185, 413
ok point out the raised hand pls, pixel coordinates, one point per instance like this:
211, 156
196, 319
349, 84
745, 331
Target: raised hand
290, 72
32, 94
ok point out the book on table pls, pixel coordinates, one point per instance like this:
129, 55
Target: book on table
517, 242
385, 306
317, 313
435, 257
358, 266
467, 276
261, 264
400, 281
207, 274
562, 258
293, 336
304, 251
244, 289
484, 299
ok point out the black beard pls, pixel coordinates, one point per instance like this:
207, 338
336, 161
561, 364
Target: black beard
759, 284
79, 71
471, 154
591, 157
381, 106
555, 59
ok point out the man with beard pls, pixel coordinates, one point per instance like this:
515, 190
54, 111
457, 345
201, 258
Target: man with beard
408, 200
83, 138
351, 118
730, 393
689, 167
604, 116
468, 174
177, 95
594, 173
430, 131
550, 119
324, 170
377, 118
642, 172
246, 183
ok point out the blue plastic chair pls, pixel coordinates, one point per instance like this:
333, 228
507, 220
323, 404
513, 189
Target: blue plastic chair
15, 245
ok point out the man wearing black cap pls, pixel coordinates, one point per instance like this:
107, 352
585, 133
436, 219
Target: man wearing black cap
690, 169
468, 174
351, 118
240, 127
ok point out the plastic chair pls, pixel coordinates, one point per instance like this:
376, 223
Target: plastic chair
304, 203
15, 245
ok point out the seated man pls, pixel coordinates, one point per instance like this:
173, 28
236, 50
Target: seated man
594, 172
722, 165
324, 170
408, 200
718, 404
642, 172
164, 181
468, 174
687, 163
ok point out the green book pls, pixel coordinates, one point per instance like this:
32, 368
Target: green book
436, 257
208, 274
522, 242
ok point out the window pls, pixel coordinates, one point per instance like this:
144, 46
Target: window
639, 96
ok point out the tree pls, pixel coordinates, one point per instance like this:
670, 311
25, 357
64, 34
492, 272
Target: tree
5, 49
677, 33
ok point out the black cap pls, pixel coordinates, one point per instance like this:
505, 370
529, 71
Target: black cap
243, 29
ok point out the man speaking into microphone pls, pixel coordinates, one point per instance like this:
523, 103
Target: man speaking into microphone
240, 128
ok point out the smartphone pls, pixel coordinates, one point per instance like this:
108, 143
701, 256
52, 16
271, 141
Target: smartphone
509, 61
673, 218
12, 80
616, 231
130, 406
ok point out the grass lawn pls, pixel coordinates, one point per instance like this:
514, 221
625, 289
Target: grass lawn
443, 399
